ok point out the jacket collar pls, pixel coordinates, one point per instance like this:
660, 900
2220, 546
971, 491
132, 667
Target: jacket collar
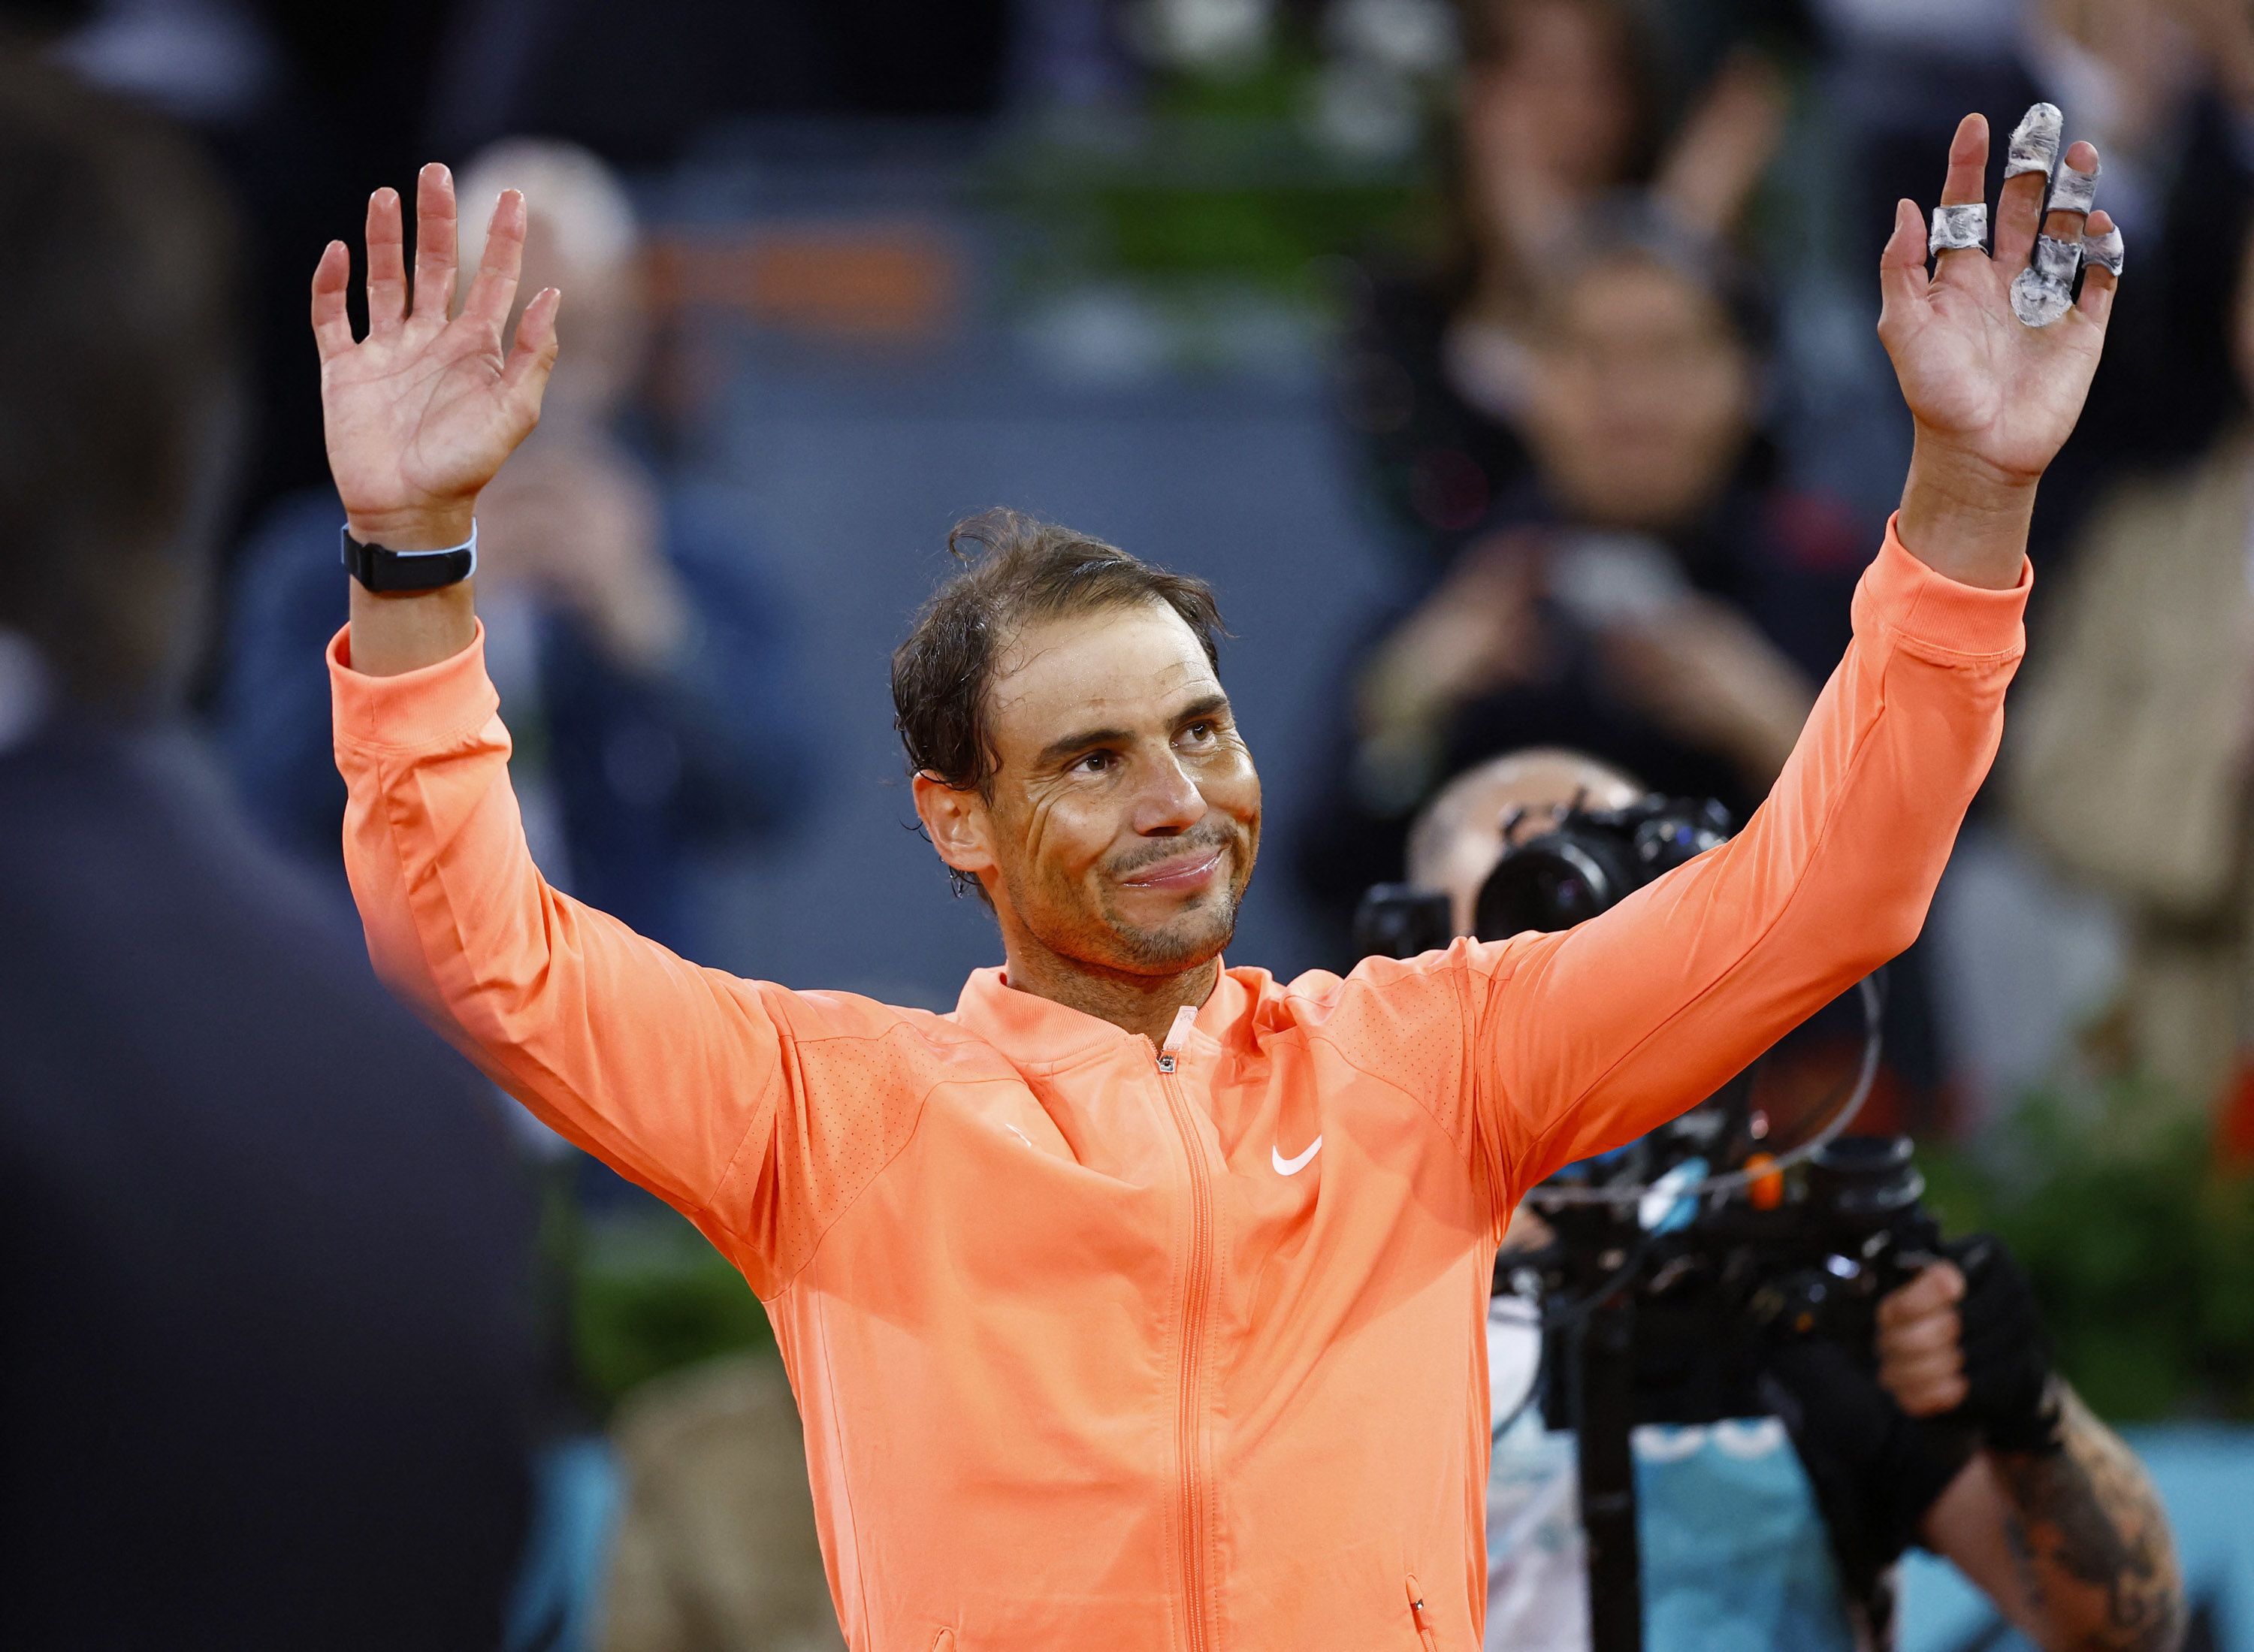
1033, 1030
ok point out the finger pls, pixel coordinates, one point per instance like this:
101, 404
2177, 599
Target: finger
333, 333
2099, 235
493, 288
387, 264
1938, 1287
1930, 1398
1966, 184
2044, 291
534, 356
1925, 1371
2075, 187
1901, 266
2019, 205
1935, 1332
435, 244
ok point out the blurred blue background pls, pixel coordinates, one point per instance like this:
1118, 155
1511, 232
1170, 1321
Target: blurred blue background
1299, 295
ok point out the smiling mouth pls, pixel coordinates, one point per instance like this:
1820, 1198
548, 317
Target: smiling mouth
1190, 872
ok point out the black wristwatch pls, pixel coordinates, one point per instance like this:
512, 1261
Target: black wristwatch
383, 571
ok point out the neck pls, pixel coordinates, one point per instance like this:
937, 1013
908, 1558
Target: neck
1144, 1004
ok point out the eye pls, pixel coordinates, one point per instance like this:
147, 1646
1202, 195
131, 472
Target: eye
1201, 729
1093, 763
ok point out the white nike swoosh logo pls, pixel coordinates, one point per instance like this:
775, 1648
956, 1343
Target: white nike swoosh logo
1293, 1166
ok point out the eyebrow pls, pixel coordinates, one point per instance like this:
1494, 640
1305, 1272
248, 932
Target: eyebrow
1057, 751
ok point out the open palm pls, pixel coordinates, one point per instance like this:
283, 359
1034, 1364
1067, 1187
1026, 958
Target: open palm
420, 414
1976, 377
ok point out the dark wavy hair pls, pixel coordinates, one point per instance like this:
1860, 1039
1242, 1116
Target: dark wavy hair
1016, 571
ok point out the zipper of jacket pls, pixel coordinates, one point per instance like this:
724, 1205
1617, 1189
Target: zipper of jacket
1426, 1636
1196, 1540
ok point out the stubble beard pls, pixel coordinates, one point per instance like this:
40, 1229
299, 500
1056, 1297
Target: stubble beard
1109, 941
1187, 941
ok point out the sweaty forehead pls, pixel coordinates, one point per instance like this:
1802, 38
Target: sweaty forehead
1125, 667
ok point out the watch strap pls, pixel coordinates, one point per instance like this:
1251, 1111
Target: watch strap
381, 569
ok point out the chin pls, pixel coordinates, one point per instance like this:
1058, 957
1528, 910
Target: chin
1196, 937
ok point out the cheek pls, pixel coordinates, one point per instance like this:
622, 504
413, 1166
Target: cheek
1065, 835
1232, 784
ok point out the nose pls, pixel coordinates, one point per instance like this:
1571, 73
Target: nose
1169, 801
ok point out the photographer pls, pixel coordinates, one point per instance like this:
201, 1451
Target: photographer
2013, 1480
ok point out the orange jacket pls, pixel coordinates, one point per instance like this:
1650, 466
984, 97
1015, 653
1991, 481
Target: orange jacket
1099, 1344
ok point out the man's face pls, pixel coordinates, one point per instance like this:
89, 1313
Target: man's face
1644, 399
1125, 811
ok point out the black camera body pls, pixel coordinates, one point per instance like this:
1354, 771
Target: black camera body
1587, 863
1860, 1230
1593, 859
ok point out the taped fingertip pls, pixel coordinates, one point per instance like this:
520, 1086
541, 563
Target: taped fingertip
2072, 190
2104, 250
2035, 141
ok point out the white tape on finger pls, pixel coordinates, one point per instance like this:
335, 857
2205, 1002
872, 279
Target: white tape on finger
2073, 192
2035, 141
2044, 291
2104, 250
1958, 228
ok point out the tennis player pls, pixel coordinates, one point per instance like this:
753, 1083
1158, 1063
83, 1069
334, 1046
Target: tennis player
1139, 1301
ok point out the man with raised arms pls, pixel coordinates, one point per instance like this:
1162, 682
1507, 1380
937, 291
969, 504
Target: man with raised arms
1138, 1301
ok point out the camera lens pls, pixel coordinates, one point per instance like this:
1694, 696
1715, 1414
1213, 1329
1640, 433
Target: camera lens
1865, 1181
1553, 883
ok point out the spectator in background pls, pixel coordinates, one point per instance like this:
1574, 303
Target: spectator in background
2165, 88
1651, 596
1559, 108
269, 1374
643, 662
2133, 749
717, 1549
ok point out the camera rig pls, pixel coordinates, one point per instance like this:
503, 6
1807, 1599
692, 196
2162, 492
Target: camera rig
1795, 1238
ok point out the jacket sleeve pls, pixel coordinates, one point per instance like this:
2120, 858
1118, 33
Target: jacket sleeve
691, 1081
1585, 1039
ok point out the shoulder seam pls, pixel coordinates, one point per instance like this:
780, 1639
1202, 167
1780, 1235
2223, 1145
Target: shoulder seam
784, 1281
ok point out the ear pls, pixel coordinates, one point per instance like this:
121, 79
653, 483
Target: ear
956, 820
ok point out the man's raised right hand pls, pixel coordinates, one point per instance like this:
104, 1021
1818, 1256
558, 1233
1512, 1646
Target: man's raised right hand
421, 413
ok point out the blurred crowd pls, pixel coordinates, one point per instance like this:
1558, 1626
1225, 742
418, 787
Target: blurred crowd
1620, 431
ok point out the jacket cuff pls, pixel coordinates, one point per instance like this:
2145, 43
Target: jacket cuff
1937, 614
432, 705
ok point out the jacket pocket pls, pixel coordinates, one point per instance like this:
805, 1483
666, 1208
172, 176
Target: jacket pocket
1426, 1636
